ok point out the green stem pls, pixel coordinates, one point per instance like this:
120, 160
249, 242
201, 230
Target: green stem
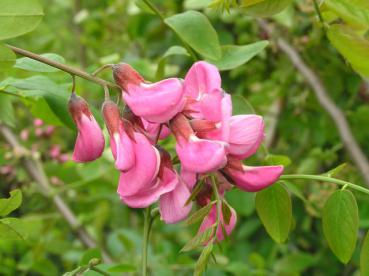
146, 235
66, 68
161, 16
317, 10
325, 179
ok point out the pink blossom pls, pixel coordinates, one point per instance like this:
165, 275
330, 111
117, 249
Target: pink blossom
38, 122
152, 130
155, 102
90, 140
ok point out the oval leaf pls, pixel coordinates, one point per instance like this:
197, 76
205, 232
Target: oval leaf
19, 17
234, 56
266, 7
36, 66
7, 205
341, 224
7, 58
274, 208
196, 30
364, 257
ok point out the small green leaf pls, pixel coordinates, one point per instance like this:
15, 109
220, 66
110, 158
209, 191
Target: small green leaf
36, 66
336, 170
353, 47
195, 191
234, 56
200, 214
7, 58
241, 105
226, 212
7, 205
266, 8
199, 240
19, 17
196, 30
203, 260
341, 224
274, 208
364, 256
7, 110
11, 229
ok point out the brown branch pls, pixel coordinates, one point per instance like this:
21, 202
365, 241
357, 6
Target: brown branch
325, 101
36, 172
63, 67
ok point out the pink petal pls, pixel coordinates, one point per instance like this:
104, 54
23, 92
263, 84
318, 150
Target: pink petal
253, 179
123, 151
90, 141
189, 178
200, 155
246, 135
158, 187
145, 170
172, 205
156, 102
202, 78
152, 130
211, 106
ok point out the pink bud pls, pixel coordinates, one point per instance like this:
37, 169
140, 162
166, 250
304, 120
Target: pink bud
120, 142
38, 122
90, 140
246, 135
54, 151
24, 134
252, 179
155, 102
211, 219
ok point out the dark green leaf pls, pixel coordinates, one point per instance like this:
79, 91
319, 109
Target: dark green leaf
203, 260
7, 205
274, 208
19, 17
341, 224
196, 30
234, 56
36, 66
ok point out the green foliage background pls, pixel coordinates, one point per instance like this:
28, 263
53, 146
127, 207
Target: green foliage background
88, 34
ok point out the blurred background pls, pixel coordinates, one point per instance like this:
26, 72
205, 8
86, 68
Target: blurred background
299, 134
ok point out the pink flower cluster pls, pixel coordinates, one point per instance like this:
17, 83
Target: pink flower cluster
209, 141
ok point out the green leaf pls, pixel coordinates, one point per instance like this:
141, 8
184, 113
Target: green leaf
123, 268
266, 8
364, 256
247, 3
7, 205
200, 214
341, 224
36, 66
7, 58
226, 212
244, 203
203, 260
355, 14
7, 110
274, 208
196, 30
90, 254
241, 105
353, 47
294, 264
195, 191
273, 159
336, 170
199, 239
234, 56
11, 229
19, 17
172, 51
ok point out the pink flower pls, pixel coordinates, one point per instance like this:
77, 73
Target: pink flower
246, 135
90, 140
120, 142
197, 155
155, 102
211, 219
38, 122
252, 179
152, 130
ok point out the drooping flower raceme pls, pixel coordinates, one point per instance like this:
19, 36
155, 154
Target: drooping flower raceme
90, 141
211, 145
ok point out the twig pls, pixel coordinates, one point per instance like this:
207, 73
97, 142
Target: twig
63, 67
35, 170
325, 101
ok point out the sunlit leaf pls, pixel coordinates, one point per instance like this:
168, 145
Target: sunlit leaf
341, 224
266, 8
196, 30
11, 229
19, 17
7, 58
36, 66
7, 205
6, 110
